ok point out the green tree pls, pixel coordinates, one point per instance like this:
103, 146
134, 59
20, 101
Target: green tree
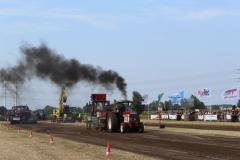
153, 106
168, 106
87, 108
186, 104
216, 107
137, 102
48, 111
197, 104
3, 110
176, 107
238, 104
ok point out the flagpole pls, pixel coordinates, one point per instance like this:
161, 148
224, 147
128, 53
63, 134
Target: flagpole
5, 95
210, 101
148, 111
210, 108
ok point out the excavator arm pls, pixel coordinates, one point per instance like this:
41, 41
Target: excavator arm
58, 113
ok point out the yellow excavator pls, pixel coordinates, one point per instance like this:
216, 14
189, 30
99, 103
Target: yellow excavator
62, 112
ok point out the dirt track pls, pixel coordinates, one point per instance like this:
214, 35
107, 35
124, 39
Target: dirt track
155, 143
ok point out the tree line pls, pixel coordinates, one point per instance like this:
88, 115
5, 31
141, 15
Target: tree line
190, 104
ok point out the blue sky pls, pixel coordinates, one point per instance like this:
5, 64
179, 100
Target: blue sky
157, 45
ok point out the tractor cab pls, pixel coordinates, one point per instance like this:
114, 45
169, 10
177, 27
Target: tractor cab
122, 106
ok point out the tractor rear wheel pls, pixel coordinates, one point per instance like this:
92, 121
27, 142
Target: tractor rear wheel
112, 122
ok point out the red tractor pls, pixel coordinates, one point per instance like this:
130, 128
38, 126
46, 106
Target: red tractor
131, 122
116, 117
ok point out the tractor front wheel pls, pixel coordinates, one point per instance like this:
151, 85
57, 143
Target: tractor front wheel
141, 128
122, 128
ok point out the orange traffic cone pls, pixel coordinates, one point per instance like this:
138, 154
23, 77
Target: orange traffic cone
30, 134
108, 150
51, 139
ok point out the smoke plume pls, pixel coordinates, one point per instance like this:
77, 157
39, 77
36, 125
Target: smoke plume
46, 63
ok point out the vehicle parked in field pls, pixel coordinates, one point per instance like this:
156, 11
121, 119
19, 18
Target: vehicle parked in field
21, 114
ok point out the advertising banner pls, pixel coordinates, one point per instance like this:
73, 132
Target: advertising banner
172, 117
210, 117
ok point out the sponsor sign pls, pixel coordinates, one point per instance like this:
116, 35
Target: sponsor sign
172, 117
210, 117
228, 117
154, 117
164, 116
200, 117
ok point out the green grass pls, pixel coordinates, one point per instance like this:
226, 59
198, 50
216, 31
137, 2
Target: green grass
193, 122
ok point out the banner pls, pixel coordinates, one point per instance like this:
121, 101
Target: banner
172, 117
204, 93
210, 117
156, 117
231, 94
200, 117
177, 97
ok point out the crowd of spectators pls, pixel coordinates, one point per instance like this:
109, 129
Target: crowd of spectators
223, 115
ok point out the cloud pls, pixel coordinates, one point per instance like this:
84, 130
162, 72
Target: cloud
96, 20
20, 28
185, 13
207, 14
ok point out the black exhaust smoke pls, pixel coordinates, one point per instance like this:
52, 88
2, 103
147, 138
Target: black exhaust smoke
45, 63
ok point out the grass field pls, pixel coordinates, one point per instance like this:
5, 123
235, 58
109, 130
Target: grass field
186, 131
194, 122
19, 146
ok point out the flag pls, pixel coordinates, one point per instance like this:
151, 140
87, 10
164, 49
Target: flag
177, 97
160, 97
231, 94
204, 93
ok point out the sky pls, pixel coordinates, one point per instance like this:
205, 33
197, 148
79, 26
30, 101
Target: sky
158, 46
